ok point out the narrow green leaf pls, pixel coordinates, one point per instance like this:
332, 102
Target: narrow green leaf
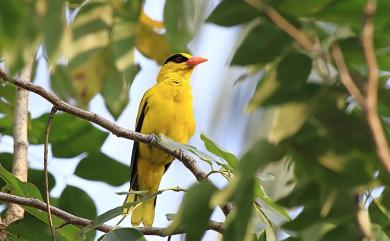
102, 218
215, 149
267, 201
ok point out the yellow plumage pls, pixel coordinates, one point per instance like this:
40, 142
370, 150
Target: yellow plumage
166, 108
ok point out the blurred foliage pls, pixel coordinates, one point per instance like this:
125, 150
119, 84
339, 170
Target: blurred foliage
317, 128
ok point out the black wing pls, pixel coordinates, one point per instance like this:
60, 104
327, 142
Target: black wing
134, 154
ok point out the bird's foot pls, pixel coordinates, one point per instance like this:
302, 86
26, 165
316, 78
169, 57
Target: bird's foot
153, 138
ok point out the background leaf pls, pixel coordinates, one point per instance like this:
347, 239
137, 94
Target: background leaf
95, 165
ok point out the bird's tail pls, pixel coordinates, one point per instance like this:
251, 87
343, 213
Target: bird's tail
143, 212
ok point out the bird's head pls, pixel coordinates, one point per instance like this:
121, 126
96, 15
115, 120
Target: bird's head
179, 65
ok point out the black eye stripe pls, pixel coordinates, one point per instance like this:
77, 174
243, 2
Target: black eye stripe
177, 58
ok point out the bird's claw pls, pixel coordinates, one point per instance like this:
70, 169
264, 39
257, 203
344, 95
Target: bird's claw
154, 138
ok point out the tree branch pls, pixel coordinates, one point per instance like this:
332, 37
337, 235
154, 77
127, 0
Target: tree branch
363, 220
286, 26
20, 152
152, 139
344, 74
373, 119
46, 174
75, 220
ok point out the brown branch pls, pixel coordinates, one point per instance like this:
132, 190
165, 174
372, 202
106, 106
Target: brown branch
345, 76
45, 171
363, 220
286, 26
20, 152
75, 220
373, 119
187, 160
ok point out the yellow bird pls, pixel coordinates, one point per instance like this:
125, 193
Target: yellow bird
166, 108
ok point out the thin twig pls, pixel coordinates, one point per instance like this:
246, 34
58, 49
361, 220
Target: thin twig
187, 160
287, 27
295, 33
373, 119
345, 76
75, 220
45, 171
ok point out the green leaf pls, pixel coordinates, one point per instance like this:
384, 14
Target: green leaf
260, 154
95, 165
379, 233
26, 189
31, 229
53, 26
348, 231
34, 176
61, 83
215, 149
18, 23
75, 3
78, 136
229, 13
124, 234
7, 105
257, 49
304, 8
380, 215
344, 13
195, 211
116, 87
268, 203
77, 202
287, 70
162, 139
179, 23
283, 84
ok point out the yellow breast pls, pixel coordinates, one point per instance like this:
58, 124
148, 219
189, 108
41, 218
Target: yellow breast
170, 113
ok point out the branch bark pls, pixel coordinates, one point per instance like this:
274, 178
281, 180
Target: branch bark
75, 220
373, 119
20, 153
152, 139
363, 220
344, 74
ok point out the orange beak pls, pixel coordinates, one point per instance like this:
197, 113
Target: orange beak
193, 61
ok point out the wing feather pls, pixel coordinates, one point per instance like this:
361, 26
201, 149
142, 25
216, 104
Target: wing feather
142, 110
